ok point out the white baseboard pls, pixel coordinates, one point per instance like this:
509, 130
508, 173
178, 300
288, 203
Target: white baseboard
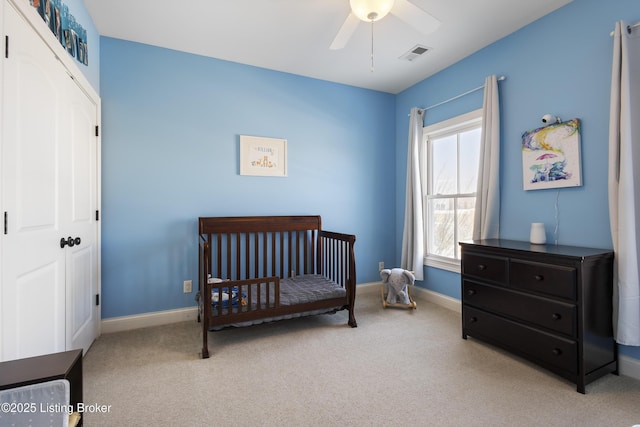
157, 318
629, 367
438, 299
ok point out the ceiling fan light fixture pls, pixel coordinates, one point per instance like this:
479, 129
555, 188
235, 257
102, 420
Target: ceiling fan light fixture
371, 10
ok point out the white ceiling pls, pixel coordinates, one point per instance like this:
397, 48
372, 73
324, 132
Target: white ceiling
294, 35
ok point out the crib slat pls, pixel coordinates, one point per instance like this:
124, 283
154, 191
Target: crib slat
218, 272
281, 242
333, 260
274, 254
236, 261
247, 267
340, 261
295, 248
319, 255
290, 249
256, 268
305, 242
264, 257
341, 257
230, 256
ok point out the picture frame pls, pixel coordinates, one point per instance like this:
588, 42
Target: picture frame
261, 156
551, 156
57, 24
69, 43
48, 15
74, 44
80, 49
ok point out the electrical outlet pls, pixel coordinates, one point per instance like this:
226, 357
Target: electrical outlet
381, 266
187, 286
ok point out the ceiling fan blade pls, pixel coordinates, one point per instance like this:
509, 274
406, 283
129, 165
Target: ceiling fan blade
414, 16
345, 32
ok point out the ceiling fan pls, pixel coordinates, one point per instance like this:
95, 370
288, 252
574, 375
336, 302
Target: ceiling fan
374, 10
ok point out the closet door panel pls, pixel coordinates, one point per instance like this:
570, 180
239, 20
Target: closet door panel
33, 179
80, 313
45, 323
83, 157
82, 271
36, 150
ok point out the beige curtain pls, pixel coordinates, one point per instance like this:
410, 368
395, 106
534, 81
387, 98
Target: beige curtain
413, 234
624, 182
486, 224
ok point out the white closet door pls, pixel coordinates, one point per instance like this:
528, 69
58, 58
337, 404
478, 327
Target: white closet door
82, 258
49, 192
33, 273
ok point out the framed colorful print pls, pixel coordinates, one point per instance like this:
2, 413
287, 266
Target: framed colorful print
263, 156
551, 156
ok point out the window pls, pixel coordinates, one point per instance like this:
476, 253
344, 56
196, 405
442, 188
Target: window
450, 175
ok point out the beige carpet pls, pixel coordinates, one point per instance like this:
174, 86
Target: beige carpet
398, 367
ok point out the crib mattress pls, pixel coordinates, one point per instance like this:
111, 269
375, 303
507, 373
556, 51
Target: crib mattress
293, 290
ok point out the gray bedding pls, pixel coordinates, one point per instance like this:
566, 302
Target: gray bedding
293, 290
308, 288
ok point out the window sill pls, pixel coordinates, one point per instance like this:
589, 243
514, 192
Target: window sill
443, 263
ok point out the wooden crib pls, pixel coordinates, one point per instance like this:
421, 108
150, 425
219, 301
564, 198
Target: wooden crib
257, 269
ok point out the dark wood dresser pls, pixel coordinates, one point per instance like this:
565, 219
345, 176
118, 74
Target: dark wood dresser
549, 304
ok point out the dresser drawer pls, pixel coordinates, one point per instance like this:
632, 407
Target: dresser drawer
541, 347
485, 267
554, 315
547, 279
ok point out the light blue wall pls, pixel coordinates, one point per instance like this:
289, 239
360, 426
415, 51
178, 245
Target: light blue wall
171, 126
560, 64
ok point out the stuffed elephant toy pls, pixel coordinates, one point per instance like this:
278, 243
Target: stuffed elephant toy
395, 282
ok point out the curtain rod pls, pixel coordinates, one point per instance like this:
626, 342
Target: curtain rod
501, 78
629, 28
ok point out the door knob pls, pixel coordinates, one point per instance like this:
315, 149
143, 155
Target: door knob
69, 241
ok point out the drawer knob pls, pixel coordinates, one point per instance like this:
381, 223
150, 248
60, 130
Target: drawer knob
556, 316
482, 267
471, 292
557, 351
473, 319
539, 277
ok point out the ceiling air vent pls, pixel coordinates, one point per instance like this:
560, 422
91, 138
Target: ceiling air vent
415, 52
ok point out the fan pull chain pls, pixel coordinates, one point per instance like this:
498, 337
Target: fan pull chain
372, 45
